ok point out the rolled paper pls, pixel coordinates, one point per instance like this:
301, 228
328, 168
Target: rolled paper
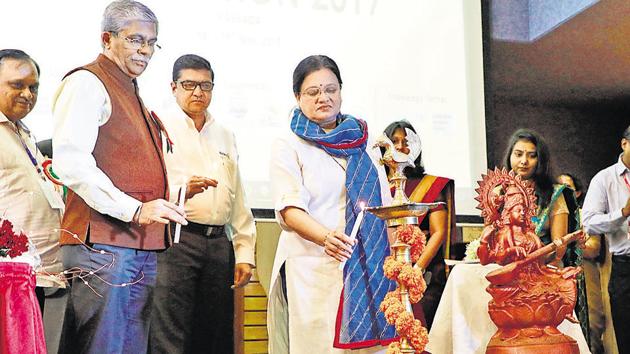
178, 226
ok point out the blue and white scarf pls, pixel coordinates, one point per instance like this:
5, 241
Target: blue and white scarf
359, 322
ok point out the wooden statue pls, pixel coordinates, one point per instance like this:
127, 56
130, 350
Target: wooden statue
529, 298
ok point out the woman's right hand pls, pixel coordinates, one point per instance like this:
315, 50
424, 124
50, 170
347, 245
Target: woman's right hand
338, 245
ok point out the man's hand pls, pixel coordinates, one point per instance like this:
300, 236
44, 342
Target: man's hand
626, 210
242, 274
161, 211
198, 184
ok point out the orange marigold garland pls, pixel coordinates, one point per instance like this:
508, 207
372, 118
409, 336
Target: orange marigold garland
416, 294
411, 277
392, 267
419, 336
395, 314
414, 237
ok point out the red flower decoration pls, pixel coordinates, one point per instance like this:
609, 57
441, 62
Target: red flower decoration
11, 243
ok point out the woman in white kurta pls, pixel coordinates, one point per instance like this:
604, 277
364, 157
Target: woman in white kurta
309, 186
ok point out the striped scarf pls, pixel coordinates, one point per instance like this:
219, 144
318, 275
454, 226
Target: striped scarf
359, 322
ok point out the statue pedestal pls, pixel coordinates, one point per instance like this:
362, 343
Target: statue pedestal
569, 346
528, 340
462, 323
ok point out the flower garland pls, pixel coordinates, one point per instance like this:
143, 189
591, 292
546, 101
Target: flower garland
411, 277
471, 250
11, 244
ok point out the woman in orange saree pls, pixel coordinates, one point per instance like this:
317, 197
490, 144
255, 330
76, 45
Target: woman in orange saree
438, 224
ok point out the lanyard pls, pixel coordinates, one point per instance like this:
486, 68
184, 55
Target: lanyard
625, 179
28, 151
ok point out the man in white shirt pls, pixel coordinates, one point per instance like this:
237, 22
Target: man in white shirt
194, 304
606, 211
108, 152
27, 197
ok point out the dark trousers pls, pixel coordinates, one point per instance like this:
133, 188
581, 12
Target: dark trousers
619, 289
193, 311
41, 298
104, 318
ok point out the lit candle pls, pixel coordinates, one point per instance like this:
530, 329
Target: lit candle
355, 228
357, 222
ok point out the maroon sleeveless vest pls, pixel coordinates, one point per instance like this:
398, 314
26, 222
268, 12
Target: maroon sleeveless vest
129, 151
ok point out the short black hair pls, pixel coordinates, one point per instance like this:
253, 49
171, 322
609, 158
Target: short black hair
310, 64
18, 55
576, 181
579, 187
626, 133
191, 61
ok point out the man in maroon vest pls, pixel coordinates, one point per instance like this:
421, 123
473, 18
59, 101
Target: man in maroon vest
108, 151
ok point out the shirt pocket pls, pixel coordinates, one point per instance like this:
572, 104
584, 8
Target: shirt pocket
228, 172
142, 195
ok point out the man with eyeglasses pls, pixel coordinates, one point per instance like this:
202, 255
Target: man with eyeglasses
194, 304
108, 152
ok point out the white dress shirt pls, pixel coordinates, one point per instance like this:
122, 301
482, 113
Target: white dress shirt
607, 195
80, 106
210, 153
22, 200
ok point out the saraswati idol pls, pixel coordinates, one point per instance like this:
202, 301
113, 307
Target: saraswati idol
529, 298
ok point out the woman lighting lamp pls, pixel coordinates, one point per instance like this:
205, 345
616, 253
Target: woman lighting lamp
322, 170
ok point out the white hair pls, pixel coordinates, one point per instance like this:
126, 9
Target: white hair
118, 14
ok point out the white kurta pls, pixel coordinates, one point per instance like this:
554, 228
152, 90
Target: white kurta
305, 176
23, 202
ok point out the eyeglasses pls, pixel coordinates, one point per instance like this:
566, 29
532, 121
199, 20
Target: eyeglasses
138, 43
314, 92
189, 85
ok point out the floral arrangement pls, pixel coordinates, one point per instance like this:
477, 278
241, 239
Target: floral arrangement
411, 278
11, 244
471, 250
